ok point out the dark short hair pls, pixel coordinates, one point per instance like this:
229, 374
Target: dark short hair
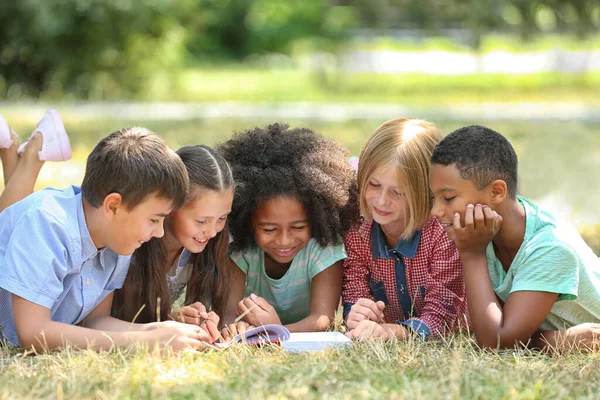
134, 162
481, 155
276, 161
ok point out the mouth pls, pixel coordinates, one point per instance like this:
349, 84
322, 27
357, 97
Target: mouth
287, 252
446, 225
200, 242
381, 212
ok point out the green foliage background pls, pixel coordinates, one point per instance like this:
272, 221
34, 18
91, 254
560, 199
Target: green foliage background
110, 49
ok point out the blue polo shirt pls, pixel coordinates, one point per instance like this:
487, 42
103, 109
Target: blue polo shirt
404, 248
48, 258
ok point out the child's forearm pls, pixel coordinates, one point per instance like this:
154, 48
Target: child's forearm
109, 323
484, 308
312, 323
52, 335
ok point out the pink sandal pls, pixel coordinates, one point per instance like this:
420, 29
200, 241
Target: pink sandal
5, 139
55, 146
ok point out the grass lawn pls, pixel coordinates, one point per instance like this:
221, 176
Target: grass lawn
242, 83
415, 369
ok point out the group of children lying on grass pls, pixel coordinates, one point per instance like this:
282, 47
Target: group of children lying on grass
428, 237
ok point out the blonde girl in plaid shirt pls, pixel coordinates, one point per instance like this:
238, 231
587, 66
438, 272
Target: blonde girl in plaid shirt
402, 273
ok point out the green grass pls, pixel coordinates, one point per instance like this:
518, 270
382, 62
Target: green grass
254, 84
449, 370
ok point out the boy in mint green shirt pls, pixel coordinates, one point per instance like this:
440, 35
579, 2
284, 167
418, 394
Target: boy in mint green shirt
526, 275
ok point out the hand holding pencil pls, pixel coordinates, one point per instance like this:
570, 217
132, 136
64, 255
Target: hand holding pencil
197, 314
257, 311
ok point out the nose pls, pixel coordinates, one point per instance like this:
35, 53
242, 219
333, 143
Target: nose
283, 239
381, 198
159, 231
436, 210
211, 230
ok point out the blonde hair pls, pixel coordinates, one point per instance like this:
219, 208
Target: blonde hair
407, 144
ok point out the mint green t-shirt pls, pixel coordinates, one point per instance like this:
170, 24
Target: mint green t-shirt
553, 258
289, 295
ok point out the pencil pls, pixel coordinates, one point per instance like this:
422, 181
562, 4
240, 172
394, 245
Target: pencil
242, 315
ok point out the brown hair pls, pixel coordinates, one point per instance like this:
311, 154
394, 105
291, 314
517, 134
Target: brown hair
134, 162
407, 144
210, 277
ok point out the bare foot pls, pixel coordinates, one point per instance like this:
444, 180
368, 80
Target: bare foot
10, 157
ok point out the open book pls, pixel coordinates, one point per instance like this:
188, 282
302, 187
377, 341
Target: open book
263, 334
315, 341
279, 334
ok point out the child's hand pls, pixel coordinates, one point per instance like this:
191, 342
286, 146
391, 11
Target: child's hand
230, 331
365, 310
192, 314
481, 226
196, 314
585, 335
257, 311
179, 336
366, 330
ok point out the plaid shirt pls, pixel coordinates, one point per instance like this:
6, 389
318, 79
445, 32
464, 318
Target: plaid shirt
420, 280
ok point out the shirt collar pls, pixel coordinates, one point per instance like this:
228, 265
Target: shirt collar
380, 249
184, 258
88, 248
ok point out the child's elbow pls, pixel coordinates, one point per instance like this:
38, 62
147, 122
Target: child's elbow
29, 341
32, 337
322, 322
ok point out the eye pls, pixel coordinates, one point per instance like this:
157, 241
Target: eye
449, 199
155, 221
269, 230
299, 228
223, 218
373, 184
201, 222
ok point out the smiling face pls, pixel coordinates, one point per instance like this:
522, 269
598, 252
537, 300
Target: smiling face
281, 228
386, 200
452, 193
201, 219
131, 228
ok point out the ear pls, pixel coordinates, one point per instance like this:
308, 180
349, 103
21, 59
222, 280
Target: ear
498, 191
111, 205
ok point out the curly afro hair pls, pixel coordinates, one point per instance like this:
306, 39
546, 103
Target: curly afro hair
276, 162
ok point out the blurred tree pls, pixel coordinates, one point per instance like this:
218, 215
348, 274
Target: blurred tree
238, 28
85, 47
477, 16
109, 48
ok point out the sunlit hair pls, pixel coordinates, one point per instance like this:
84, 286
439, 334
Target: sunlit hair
210, 278
407, 144
135, 163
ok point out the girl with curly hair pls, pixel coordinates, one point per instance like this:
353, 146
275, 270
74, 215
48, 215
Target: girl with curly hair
402, 274
296, 198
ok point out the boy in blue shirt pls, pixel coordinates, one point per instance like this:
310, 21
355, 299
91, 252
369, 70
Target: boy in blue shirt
63, 252
527, 276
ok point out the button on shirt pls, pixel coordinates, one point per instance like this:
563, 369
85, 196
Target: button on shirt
48, 258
